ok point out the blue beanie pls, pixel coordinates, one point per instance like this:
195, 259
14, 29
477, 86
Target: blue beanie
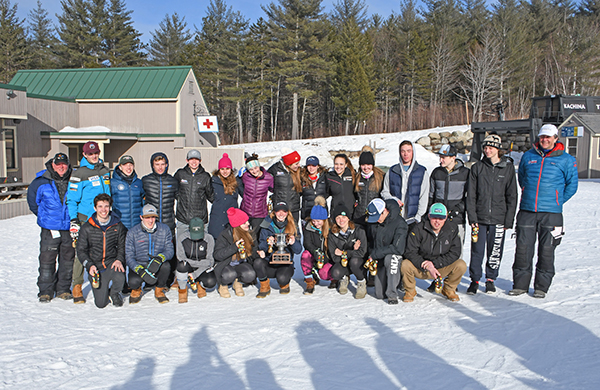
318, 212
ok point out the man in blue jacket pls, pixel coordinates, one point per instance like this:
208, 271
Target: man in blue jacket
548, 178
92, 178
127, 192
46, 197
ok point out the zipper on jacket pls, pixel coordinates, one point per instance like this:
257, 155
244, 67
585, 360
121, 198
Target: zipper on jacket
538, 184
160, 195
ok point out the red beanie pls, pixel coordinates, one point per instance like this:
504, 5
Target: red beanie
291, 158
236, 217
225, 162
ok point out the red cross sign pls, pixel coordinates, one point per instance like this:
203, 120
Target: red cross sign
208, 124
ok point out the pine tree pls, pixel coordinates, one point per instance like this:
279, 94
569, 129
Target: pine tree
13, 42
345, 10
42, 40
77, 44
169, 41
121, 40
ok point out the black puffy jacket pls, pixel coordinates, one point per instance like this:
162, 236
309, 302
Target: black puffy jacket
492, 193
194, 190
336, 240
341, 189
161, 191
365, 195
313, 240
283, 187
450, 188
225, 248
390, 235
442, 250
101, 245
311, 190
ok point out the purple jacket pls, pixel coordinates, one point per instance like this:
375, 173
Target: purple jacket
254, 201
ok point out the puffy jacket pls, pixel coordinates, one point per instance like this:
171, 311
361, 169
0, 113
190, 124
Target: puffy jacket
390, 235
225, 248
140, 244
86, 182
311, 190
187, 251
195, 189
547, 181
268, 229
128, 197
220, 204
411, 187
256, 190
47, 198
283, 187
161, 191
341, 189
313, 240
450, 189
442, 250
101, 245
492, 193
336, 240
365, 195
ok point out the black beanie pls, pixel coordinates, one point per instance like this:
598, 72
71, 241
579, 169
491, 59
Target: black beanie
366, 158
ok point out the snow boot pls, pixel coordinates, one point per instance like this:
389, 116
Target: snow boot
431, 287
66, 296
224, 291
160, 296
237, 287
175, 285
284, 289
516, 291
183, 293
135, 296
409, 296
201, 290
45, 298
117, 299
343, 289
361, 289
78, 294
473, 287
489, 287
310, 286
392, 301
265, 289
539, 294
333, 284
450, 294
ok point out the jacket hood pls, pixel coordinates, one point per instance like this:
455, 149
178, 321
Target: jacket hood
159, 154
558, 149
121, 175
51, 174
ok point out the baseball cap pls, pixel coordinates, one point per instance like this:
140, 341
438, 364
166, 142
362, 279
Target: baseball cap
91, 147
149, 211
438, 210
193, 154
281, 206
126, 159
60, 158
548, 129
312, 160
447, 150
196, 229
374, 209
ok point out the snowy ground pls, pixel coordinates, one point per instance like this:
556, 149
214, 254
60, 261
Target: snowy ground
324, 341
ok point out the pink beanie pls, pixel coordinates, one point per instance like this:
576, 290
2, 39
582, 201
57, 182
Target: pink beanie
225, 162
236, 217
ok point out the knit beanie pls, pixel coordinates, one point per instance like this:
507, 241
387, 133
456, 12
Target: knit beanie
236, 217
318, 212
366, 158
291, 158
225, 162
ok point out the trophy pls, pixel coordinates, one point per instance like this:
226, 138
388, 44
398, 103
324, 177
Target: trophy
281, 256
438, 285
371, 265
320, 258
344, 258
241, 246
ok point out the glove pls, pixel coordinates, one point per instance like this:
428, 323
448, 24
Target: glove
155, 263
144, 274
74, 228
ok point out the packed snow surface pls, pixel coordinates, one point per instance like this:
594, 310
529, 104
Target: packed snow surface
323, 341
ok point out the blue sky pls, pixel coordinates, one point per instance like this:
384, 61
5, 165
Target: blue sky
148, 13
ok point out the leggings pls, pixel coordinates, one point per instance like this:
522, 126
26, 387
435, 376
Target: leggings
282, 272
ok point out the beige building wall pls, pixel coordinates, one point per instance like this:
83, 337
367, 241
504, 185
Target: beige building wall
13, 105
130, 117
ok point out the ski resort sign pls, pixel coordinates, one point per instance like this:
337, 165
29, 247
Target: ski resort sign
571, 131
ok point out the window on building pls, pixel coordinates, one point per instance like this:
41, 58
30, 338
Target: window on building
9, 148
572, 146
191, 88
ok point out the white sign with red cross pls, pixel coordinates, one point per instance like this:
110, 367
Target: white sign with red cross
207, 124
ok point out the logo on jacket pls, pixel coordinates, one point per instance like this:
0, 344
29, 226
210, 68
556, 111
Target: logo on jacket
532, 162
447, 242
121, 187
184, 181
348, 178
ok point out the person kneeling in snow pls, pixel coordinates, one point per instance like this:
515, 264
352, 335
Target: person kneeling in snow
100, 249
149, 244
432, 252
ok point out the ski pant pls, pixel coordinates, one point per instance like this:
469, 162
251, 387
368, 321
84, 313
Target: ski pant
206, 279
307, 262
492, 237
162, 276
50, 280
355, 266
106, 277
530, 225
452, 274
244, 272
282, 272
388, 277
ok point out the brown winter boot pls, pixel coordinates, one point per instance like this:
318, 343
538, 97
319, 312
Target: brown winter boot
224, 291
450, 294
78, 294
136, 296
265, 289
237, 287
310, 286
284, 289
175, 285
183, 295
201, 290
160, 296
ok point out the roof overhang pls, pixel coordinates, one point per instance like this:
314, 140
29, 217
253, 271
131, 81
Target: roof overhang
107, 136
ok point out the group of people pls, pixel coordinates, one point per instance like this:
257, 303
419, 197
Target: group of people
387, 229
